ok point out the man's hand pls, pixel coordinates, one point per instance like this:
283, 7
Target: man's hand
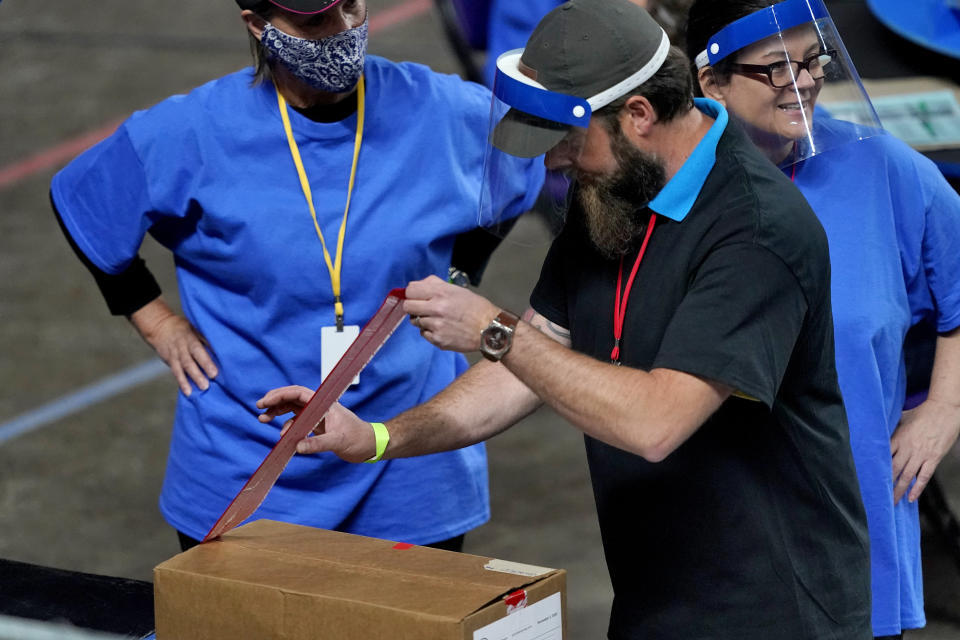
922, 438
340, 431
449, 316
177, 342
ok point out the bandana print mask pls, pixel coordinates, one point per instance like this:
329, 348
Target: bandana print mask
333, 64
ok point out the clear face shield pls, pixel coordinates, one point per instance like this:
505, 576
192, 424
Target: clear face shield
529, 124
786, 76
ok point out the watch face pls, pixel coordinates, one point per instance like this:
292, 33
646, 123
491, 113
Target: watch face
495, 338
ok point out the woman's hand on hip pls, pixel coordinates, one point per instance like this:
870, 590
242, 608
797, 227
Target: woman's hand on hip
922, 439
178, 343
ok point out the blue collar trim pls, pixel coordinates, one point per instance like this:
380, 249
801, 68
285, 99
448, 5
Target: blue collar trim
677, 197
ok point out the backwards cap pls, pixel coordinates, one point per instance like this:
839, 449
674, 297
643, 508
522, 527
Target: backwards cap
594, 50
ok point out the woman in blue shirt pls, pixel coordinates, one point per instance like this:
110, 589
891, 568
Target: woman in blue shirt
276, 259
893, 225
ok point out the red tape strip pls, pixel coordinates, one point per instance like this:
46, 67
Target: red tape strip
361, 351
516, 600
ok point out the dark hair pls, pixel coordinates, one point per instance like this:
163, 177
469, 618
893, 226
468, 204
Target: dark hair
669, 90
261, 69
707, 17
671, 14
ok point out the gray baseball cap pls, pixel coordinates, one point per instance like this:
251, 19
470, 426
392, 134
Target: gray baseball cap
597, 50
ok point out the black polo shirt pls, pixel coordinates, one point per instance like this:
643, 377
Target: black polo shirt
753, 529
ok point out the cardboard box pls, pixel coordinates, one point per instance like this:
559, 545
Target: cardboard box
268, 580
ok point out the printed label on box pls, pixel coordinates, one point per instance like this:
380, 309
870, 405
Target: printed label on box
539, 621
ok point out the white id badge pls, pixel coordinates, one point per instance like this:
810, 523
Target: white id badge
333, 344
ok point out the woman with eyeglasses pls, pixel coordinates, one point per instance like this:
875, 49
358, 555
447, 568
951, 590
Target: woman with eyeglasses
893, 225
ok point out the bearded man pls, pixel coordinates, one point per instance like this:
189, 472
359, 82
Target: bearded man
682, 321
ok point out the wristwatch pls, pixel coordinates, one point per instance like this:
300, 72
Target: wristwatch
496, 339
455, 276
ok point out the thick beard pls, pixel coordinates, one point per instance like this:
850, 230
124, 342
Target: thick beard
613, 203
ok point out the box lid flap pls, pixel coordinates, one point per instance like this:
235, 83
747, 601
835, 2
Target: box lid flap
317, 562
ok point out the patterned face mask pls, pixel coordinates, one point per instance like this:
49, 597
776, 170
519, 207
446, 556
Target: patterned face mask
333, 64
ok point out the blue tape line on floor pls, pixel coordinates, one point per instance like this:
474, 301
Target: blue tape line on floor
83, 398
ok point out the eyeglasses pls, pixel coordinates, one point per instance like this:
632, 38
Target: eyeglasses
784, 72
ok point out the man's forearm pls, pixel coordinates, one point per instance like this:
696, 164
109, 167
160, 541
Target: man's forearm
647, 413
484, 401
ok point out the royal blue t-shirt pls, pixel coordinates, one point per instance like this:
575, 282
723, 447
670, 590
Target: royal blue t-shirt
210, 176
893, 225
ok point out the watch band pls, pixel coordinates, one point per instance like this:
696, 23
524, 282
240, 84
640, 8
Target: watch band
508, 319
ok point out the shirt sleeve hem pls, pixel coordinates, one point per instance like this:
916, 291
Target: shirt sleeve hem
76, 233
741, 386
549, 312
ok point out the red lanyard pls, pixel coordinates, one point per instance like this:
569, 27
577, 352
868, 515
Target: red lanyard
620, 308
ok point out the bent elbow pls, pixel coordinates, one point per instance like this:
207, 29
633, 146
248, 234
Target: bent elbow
656, 452
658, 443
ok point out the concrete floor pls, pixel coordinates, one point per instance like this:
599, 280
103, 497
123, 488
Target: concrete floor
80, 492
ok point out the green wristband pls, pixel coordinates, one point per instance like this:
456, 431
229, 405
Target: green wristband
383, 438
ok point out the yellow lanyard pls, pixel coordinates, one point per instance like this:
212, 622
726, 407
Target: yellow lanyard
332, 266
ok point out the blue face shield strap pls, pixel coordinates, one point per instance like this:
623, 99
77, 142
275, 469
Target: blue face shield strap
759, 25
538, 101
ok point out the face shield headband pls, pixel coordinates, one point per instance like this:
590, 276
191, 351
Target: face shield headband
518, 91
528, 120
759, 25
814, 100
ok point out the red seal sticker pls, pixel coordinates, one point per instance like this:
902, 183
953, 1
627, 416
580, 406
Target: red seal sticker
516, 600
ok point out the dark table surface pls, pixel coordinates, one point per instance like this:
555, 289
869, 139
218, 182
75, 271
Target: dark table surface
100, 603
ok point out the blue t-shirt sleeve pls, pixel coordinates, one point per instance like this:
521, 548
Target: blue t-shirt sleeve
927, 213
103, 198
941, 249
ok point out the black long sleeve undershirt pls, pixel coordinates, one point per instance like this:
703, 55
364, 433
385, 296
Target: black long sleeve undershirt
124, 292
